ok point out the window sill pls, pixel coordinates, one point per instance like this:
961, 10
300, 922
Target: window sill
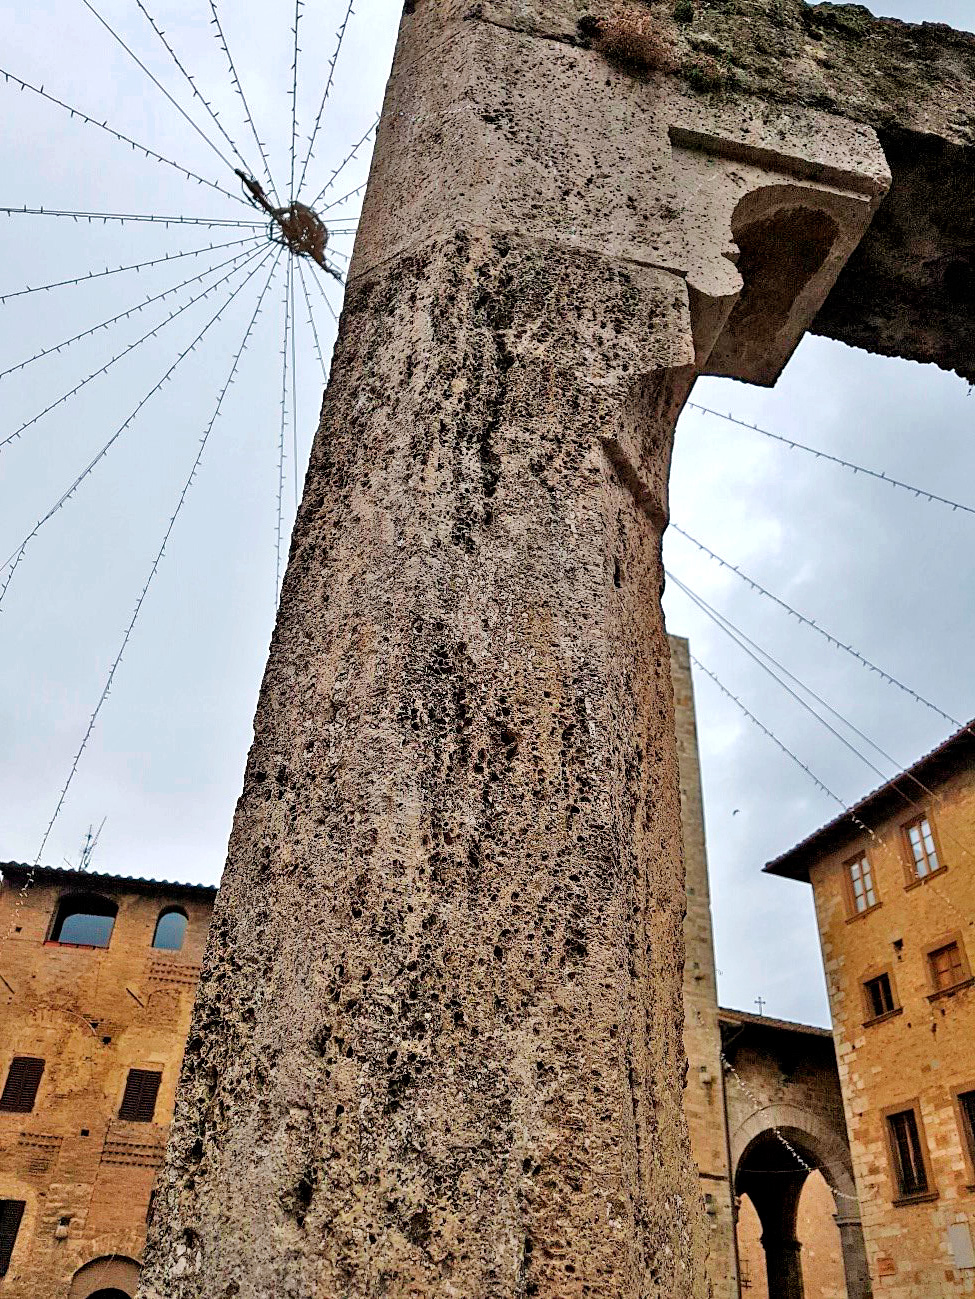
861, 915
950, 992
77, 947
924, 1197
882, 1019
918, 880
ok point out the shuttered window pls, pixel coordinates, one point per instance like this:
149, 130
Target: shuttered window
11, 1212
139, 1102
20, 1089
947, 968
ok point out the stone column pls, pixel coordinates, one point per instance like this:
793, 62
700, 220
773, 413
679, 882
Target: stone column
436, 1047
783, 1265
855, 1267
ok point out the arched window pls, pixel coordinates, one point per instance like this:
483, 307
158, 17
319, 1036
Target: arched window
84, 920
170, 929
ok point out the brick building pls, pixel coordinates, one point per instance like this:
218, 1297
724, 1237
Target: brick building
894, 887
97, 977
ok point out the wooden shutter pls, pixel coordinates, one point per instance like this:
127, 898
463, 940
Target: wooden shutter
139, 1102
11, 1212
20, 1089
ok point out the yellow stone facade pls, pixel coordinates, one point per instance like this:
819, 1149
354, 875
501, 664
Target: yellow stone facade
92, 1015
898, 939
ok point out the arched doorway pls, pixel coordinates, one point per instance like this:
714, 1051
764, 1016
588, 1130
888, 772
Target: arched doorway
114, 1277
773, 1172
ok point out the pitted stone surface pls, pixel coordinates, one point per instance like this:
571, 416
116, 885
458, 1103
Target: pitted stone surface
436, 1048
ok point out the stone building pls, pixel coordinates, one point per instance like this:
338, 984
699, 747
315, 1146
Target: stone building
894, 887
97, 977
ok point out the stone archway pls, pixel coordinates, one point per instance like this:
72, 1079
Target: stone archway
112, 1277
785, 1117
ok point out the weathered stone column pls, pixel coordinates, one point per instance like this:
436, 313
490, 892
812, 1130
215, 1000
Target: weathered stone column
783, 1265
436, 1049
854, 1250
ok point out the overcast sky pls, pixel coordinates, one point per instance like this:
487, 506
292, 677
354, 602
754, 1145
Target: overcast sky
882, 570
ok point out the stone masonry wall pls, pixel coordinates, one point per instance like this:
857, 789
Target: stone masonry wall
703, 1097
91, 1014
922, 1053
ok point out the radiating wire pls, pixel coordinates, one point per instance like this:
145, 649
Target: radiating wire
16, 556
757, 654
118, 357
117, 270
311, 320
336, 201
920, 492
222, 41
124, 315
343, 164
321, 290
124, 139
740, 640
284, 404
785, 749
340, 34
159, 86
294, 382
193, 86
153, 570
809, 622
294, 106
131, 216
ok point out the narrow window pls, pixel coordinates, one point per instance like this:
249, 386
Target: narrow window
966, 1103
924, 855
11, 1212
947, 967
170, 929
20, 1089
880, 998
139, 1102
84, 922
905, 1145
861, 882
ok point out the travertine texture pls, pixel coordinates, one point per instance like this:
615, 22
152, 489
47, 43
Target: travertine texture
83, 1174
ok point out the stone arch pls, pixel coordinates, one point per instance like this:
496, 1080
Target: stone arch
817, 1142
773, 1150
110, 1275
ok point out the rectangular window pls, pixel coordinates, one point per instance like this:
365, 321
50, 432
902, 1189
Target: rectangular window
861, 883
947, 967
880, 998
905, 1148
924, 855
20, 1089
11, 1212
966, 1103
139, 1102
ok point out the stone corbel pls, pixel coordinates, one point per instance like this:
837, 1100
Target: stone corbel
773, 204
